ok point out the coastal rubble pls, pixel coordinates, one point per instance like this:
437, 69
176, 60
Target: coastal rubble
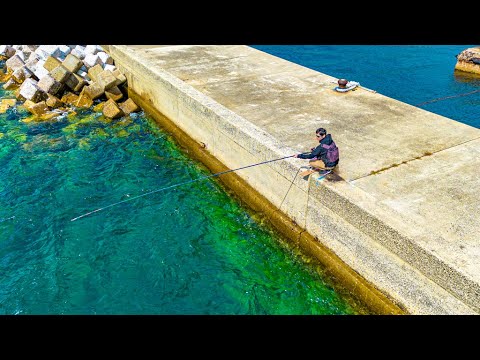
49, 78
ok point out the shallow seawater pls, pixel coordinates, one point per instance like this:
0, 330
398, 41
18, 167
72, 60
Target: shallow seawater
414, 74
189, 250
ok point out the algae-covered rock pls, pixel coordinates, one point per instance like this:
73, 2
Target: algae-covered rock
99, 107
122, 133
10, 85
6, 104
84, 144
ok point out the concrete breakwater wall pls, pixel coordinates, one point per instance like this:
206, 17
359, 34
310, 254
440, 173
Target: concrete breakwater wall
51, 80
398, 236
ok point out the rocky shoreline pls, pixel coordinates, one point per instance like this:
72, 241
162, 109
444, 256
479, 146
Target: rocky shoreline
51, 80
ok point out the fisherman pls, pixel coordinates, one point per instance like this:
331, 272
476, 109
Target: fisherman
324, 157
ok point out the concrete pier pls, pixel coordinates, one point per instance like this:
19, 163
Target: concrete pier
401, 212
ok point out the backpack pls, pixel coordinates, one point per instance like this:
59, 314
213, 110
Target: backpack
332, 152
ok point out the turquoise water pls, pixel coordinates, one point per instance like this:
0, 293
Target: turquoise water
410, 73
190, 250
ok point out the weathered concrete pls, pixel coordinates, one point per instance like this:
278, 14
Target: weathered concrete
401, 210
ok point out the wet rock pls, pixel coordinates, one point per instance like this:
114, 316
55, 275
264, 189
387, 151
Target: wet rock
69, 98
53, 102
99, 106
6, 104
60, 73
114, 93
84, 100
51, 63
14, 63
111, 110
49, 85
37, 109
72, 63
129, 106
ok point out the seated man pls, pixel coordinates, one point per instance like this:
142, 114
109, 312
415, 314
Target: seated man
324, 157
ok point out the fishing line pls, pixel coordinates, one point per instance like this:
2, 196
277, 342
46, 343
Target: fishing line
180, 184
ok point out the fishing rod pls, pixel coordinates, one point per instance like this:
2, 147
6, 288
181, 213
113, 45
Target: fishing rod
182, 183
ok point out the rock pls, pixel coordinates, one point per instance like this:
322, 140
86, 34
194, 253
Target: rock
48, 50
114, 93
40, 71
49, 85
119, 76
51, 63
5, 104
105, 58
129, 106
21, 74
30, 91
32, 62
84, 100
37, 109
10, 85
14, 63
94, 71
53, 102
60, 73
99, 107
29, 49
91, 49
112, 68
72, 63
19, 96
111, 110
106, 79
78, 53
94, 90
91, 60
75, 82
64, 50
69, 98
7, 51
465, 60
83, 75
21, 55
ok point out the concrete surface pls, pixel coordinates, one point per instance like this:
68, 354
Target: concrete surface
402, 209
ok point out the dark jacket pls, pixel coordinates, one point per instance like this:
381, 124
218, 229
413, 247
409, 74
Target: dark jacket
320, 152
